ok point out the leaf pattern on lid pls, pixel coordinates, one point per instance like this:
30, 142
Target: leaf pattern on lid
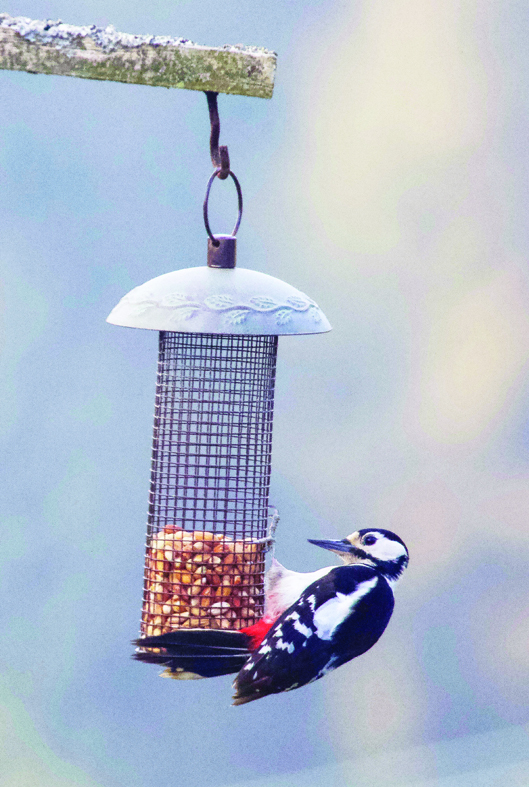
236, 317
219, 302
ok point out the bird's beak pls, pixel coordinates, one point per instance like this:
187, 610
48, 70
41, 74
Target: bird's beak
334, 546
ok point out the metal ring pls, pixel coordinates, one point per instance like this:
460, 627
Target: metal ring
239, 198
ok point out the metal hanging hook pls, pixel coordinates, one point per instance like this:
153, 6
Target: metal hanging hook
221, 161
219, 155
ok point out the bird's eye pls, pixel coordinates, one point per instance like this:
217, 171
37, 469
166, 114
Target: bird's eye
370, 540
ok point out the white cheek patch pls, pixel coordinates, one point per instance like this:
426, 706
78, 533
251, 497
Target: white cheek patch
386, 549
333, 612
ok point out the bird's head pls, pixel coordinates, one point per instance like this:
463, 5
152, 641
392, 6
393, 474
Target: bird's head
380, 549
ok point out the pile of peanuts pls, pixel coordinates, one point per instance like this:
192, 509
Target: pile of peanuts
199, 579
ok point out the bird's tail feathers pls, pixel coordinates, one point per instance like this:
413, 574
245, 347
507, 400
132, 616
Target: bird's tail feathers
195, 653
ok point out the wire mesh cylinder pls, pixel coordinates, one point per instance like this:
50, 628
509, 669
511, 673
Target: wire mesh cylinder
210, 476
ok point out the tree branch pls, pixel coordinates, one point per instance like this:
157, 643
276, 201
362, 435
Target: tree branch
94, 53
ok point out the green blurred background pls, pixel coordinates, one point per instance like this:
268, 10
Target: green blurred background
387, 179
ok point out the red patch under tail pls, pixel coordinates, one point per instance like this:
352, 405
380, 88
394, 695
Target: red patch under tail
257, 632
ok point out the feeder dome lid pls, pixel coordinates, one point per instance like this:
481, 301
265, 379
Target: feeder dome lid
219, 300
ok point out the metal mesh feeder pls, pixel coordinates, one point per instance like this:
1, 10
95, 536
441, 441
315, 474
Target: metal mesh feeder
210, 476
212, 442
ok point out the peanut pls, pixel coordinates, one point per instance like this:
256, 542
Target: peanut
201, 546
201, 579
219, 607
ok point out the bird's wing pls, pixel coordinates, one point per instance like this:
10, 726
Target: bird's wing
336, 618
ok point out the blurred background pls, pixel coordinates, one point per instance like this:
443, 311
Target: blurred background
387, 179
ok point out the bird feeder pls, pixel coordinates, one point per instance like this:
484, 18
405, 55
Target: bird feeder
208, 519
218, 332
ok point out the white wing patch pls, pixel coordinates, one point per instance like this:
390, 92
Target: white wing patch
333, 612
301, 627
288, 646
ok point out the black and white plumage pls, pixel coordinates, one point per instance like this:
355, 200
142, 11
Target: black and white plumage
339, 614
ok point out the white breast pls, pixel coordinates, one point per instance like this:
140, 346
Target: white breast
283, 587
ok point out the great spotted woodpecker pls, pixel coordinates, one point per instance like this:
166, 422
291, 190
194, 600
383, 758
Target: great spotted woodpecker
312, 624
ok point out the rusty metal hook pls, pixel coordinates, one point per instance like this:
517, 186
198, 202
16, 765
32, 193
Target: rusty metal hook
221, 164
219, 154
